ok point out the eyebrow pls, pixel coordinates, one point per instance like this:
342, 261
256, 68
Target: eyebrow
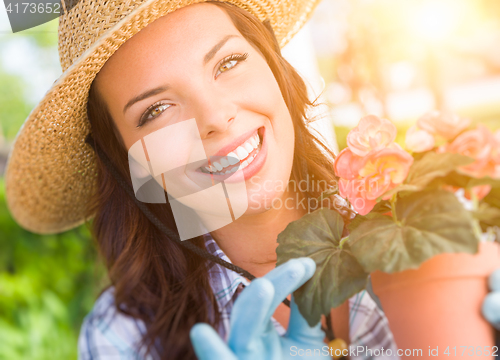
209, 56
145, 95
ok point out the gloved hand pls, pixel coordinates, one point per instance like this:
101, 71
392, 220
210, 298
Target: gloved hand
491, 304
252, 335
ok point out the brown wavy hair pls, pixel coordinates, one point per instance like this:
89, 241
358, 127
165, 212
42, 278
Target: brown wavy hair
155, 279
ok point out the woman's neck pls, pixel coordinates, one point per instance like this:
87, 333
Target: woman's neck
250, 242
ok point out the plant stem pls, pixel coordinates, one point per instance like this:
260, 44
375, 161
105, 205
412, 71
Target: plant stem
327, 193
474, 199
475, 207
393, 209
342, 241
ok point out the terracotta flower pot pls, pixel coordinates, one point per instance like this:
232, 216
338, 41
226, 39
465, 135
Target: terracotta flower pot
438, 306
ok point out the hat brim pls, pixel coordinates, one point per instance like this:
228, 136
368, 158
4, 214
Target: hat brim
51, 172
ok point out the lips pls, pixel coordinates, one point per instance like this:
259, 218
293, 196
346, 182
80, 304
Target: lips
238, 158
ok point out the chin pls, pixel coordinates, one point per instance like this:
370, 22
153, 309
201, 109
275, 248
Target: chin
268, 187
262, 201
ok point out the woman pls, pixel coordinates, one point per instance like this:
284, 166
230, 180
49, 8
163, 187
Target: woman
221, 66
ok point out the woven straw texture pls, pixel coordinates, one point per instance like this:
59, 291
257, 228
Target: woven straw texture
51, 171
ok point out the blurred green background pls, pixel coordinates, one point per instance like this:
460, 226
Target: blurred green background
392, 58
47, 283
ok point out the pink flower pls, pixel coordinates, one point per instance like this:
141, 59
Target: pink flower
496, 149
371, 133
347, 165
444, 124
419, 140
496, 135
365, 179
355, 191
385, 169
481, 145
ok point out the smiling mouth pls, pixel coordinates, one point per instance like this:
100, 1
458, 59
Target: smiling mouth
237, 159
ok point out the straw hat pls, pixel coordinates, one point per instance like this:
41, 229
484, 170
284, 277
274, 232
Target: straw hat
51, 171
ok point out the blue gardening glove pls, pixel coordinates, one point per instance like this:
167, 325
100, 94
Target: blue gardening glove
491, 304
252, 335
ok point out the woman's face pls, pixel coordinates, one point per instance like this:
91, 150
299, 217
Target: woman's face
194, 64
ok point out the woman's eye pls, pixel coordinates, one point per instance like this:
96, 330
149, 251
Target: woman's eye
230, 62
228, 65
154, 111
157, 111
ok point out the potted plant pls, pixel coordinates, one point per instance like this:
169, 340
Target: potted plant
418, 218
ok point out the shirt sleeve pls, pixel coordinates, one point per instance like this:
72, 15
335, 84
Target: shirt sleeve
371, 337
107, 334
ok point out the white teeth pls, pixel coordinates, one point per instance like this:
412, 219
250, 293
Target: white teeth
248, 147
232, 158
254, 142
224, 162
217, 166
241, 152
257, 140
250, 159
235, 157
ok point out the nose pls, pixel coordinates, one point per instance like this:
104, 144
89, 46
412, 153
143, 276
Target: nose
214, 111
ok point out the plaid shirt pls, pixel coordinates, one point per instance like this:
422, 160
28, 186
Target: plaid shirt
109, 335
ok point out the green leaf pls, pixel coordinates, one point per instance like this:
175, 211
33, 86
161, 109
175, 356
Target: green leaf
327, 193
379, 209
484, 181
338, 275
426, 172
359, 219
429, 223
453, 178
488, 215
434, 165
382, 207
400, 189
464, 181
493, 198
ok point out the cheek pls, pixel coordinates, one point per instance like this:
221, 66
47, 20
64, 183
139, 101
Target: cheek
266, 189
261, 90
263, 95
